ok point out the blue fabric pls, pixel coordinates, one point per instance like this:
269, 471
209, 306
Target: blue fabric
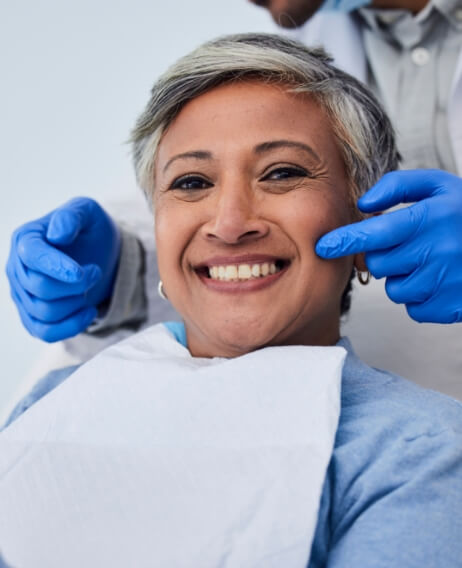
43, 387
343, 5
178, 331
393, 490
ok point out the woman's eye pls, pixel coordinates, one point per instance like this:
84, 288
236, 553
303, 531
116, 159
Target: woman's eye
190, 183
281, 174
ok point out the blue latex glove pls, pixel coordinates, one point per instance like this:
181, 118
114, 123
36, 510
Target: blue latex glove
418, 248
61, 267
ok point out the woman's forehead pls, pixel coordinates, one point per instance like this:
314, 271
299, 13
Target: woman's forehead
246, 114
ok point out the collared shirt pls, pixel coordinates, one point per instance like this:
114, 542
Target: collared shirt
412, 60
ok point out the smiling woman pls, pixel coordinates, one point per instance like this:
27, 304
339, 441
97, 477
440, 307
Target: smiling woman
250, 151
250, 434
238, 213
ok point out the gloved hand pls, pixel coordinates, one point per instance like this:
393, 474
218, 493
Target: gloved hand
418, 248
61, 267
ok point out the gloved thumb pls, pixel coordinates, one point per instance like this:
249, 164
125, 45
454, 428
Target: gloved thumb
63, 227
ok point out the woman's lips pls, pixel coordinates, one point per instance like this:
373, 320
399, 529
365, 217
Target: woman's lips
241, 274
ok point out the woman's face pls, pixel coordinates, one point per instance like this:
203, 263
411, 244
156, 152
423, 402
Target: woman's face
248, 178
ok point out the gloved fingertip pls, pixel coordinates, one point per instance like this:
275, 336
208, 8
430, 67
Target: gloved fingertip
321, 250
326, 247
366, 204
63, 227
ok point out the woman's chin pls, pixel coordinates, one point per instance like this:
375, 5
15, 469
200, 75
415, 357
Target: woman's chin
234, 339
234, 336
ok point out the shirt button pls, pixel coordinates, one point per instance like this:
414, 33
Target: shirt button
420, 56
389, 17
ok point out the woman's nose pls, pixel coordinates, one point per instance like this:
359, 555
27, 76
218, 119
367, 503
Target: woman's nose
235, 218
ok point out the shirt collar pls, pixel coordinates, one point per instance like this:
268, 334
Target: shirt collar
407, 29
355, 372
449, 9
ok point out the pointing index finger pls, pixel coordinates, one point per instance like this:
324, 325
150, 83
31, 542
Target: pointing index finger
375, 233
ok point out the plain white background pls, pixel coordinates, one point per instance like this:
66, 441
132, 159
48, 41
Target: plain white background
74, 76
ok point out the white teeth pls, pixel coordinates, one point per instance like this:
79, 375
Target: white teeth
231, 272
234, 272
244, 272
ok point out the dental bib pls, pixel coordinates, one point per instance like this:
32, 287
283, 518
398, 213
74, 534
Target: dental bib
149, 457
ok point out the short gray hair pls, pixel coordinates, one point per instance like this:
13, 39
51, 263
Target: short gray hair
363, 131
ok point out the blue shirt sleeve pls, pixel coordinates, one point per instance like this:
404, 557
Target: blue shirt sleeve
403, 507
41, 388
393, 492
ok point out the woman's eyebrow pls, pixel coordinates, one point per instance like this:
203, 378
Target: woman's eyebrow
275, 144
196, 154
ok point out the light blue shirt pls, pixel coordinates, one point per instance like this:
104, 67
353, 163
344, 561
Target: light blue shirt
393, 491
412, 60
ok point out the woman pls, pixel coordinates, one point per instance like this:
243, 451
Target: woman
249, 149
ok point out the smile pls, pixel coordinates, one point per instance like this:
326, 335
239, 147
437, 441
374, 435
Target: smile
235, 272
241, 274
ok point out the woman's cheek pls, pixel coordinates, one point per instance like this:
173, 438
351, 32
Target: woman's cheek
313, 220
166, 234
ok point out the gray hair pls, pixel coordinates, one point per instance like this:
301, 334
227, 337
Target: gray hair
360, 125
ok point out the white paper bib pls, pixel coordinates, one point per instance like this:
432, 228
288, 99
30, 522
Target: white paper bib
148, 457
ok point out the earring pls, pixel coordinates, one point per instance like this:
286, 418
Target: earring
363, 277
160, 290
